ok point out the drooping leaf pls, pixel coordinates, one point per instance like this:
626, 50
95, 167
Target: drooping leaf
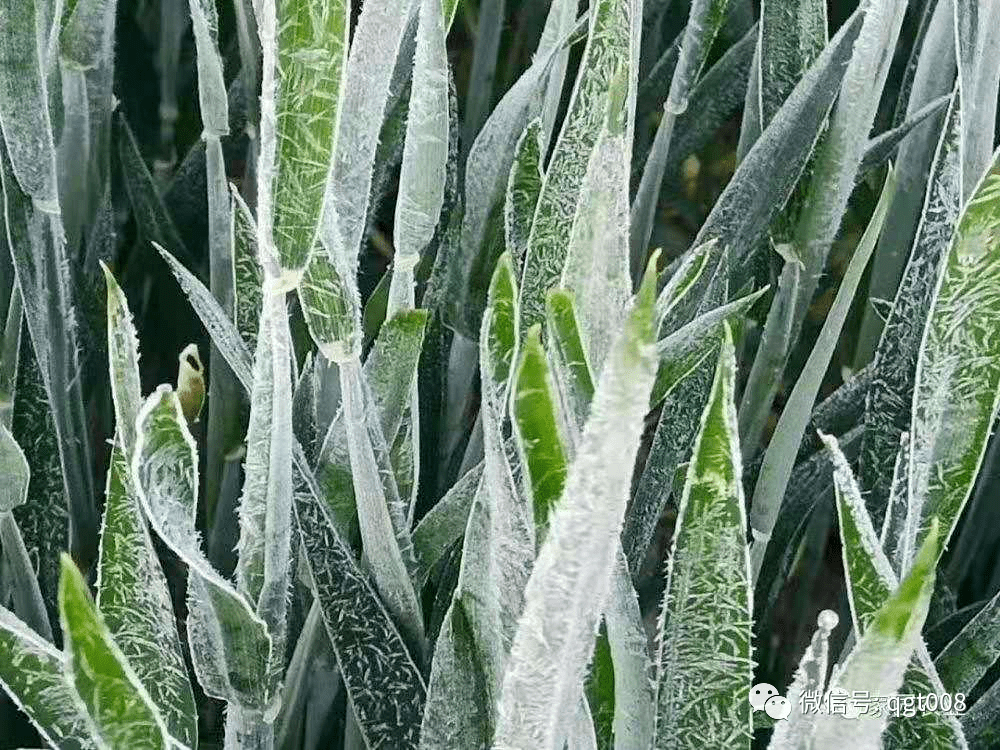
704, 629
230, 645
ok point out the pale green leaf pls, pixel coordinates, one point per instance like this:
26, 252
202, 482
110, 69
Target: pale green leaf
119, 706
32, 672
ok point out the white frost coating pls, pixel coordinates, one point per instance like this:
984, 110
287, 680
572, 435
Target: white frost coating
689, 271
573, 571
870, 582
264, 568
582, 735
492, 153
212, 96
779, 458
597, 263
558, 24
15, 472
386, 545
977, 28
839, 153
500, 535
24, 99
891, 537
810, 677
166, 487
267, 22
634, 717
425, 150
37, 684
374, 51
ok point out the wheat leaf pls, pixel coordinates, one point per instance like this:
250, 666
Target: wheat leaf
32, 672
709, 563
957, 387
119, 706
230, 645
574, 569
305, 51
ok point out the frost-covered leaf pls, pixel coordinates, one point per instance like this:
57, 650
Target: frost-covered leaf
330, 304
676, 427
263, 571
445, 523
118, 705
535, 417
890, 398
15, 470
151, 215
135, 604
881, 148
41, 262
878, 662
779, 459
570, 367
305, 51
499, 545
123, 363
425, 152
681, 351
704, 21
375, 48
230, 646
634, 716
535, 94
870, 582
792, 36
386, 688
839, 154
607, 58
523, 188
810, 677
574, 569
248, 273
382, 517
704, 628
955, 396
969, 655
597, 259
929, 74
23, 99
220, 328
212, 97
132, 593
977, 33
32, 672
771, 169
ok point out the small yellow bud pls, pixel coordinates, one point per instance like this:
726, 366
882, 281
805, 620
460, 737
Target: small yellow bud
191, 383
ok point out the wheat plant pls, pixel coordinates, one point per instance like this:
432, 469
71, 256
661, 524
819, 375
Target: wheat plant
513, 374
